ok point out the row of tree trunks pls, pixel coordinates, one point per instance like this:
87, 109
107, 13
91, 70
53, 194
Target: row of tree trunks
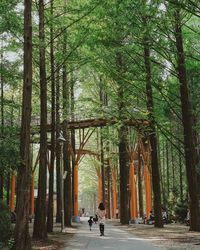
21, 233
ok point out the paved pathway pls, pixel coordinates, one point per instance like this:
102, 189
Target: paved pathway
114, 238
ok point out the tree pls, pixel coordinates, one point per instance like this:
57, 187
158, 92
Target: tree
40, 230
22, 237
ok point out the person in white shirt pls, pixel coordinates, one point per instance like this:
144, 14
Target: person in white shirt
102, 217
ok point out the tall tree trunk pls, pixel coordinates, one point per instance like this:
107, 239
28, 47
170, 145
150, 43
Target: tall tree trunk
66, 152
140, 190
102, 166
67, 181
172, 164
58, 148
167, 166
124, 175
40, 231
72, 130
180, 173
8, 189
163, 174
124, 162
21, 233
102, 143
2, 111
152, 137
108, 179
187, 120
53, 128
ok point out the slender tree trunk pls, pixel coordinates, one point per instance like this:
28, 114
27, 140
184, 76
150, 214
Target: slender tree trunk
167, 166
172, 164
102, 145
124, 161
67, 181
153, 138
40, 230
102, 167
21, 233
58, 148
8, 189
187, 120
66, 152
2, 112
108, 179
140, 190
72, 131
53, 128
124, 175
180, 173
163, 174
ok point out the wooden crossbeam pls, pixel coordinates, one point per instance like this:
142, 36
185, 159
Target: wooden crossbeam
94, 123
103, 122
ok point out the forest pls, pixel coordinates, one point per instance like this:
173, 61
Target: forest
99, 102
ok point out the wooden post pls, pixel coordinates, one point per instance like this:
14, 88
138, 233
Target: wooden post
133, 193
32, 196
76, 190
147, 180
12, 193
99, 187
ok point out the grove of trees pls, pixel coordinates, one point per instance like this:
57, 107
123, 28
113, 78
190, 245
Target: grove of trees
118, 61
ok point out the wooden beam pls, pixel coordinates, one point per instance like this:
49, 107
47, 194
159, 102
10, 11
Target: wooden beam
94, 123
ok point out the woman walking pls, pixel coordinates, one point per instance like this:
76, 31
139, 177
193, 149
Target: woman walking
102, 218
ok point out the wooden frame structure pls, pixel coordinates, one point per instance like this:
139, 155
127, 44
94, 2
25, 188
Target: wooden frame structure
79, 154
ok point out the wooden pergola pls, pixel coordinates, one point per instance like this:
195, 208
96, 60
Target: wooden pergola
81, 152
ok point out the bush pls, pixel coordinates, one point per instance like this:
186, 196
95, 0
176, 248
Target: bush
181, 211
5, 223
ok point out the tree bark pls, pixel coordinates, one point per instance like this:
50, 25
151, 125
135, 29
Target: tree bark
73, 140
140, 191
40, 231
187, 120
102, 145
152, 137
21, 232
2, 112
58, 148
53, 128
67, 181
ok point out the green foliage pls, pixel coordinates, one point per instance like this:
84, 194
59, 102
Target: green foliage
5, 223
180, 210
9, 150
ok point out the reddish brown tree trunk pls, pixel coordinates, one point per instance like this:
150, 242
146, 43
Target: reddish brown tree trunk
53, 128
187, 120
58, 148
124, 162
40, 231
153, 138
21, 233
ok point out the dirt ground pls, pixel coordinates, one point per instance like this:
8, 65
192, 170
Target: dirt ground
171, 237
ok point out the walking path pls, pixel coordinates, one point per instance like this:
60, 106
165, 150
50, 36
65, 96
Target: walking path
114, 238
